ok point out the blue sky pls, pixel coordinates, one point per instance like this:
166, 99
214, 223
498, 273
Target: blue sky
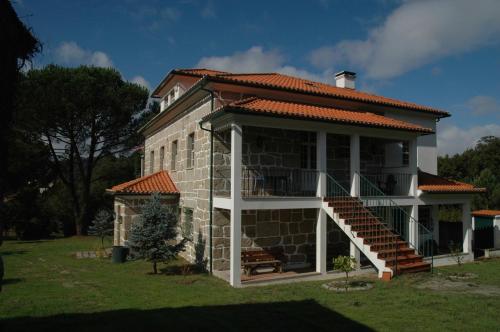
441, 53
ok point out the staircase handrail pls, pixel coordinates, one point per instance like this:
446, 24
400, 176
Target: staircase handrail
384, 226
380, 193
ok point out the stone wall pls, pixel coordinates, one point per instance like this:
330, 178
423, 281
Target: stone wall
222, 163
193, 183
372, 155
128, 210
294, 230
338, 158
271, 147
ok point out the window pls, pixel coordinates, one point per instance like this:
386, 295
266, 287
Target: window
171, 96
308, 151
151, 161
190, 150
406, 153
174, 155
162, 157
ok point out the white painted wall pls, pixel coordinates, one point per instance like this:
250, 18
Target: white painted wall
426, 145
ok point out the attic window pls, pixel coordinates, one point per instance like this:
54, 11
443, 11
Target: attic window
311, 84
171, 96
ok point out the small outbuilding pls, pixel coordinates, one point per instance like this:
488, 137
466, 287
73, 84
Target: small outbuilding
130, 196
486, 226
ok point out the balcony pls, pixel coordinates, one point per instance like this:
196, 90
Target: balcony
279, 162
281, 182
388, 183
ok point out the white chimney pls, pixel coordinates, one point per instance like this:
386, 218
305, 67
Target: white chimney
345, 79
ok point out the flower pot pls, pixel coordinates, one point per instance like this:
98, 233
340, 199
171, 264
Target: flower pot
119, 254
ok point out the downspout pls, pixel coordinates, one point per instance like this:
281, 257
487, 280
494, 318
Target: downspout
211, 172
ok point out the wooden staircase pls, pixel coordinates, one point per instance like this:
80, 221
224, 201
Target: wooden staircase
376, 236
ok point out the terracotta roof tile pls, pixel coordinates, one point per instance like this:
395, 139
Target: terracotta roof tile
159, 182
275, 80
486, 213
299, 110
201, 71
436, 184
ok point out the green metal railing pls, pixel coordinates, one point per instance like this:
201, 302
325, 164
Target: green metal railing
374, 231
397, 218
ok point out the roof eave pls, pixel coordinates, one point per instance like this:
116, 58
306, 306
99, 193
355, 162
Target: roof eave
237, 110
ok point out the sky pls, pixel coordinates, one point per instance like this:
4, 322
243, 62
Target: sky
439, 53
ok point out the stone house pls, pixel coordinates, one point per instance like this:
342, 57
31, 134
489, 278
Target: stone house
265, 160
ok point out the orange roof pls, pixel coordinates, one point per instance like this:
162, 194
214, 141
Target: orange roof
201, 71
159, 182
280, 81
486, 213
436, 184
305, 111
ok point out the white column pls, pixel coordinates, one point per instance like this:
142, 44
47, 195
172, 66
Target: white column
413, 227
496, 232
321, 163
142, 164
413, 161
321, 240
356, 254
467, 227
355, 167
235, 244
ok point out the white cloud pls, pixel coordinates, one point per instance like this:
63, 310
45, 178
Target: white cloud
141, 81
256, 59
452, 139
483, 105
415, 34
71, 54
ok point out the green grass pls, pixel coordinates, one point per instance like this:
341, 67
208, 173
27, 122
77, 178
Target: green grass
47, 289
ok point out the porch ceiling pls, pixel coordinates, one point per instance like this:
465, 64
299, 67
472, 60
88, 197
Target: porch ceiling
275, 108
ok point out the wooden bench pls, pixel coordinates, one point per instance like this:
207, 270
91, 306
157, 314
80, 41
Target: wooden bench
253, 259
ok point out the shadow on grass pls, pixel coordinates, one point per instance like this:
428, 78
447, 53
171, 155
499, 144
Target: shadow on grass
278, 316
10, 281
12, 252
183, 269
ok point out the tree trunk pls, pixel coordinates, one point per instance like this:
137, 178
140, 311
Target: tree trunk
155, 271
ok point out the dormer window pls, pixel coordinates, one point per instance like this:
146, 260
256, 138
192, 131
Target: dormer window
171, 96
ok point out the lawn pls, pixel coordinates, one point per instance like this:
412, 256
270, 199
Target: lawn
48, 289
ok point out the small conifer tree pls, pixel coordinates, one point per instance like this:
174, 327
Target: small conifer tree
154, 236
102, 225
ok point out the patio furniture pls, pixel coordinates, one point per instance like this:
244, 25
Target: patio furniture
253, 259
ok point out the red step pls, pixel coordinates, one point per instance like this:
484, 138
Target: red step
375, 234
413, 268
404, 260
392, 252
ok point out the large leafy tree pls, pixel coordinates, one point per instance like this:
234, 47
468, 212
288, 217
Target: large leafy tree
480, 166
154, 236
18, 46
83, 115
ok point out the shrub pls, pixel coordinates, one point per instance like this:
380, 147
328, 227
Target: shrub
345, 264
102, 225
154, 236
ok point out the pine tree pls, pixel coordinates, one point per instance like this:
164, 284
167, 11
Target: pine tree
102, 225
154, 236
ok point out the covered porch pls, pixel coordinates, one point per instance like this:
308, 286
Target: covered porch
281, 168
